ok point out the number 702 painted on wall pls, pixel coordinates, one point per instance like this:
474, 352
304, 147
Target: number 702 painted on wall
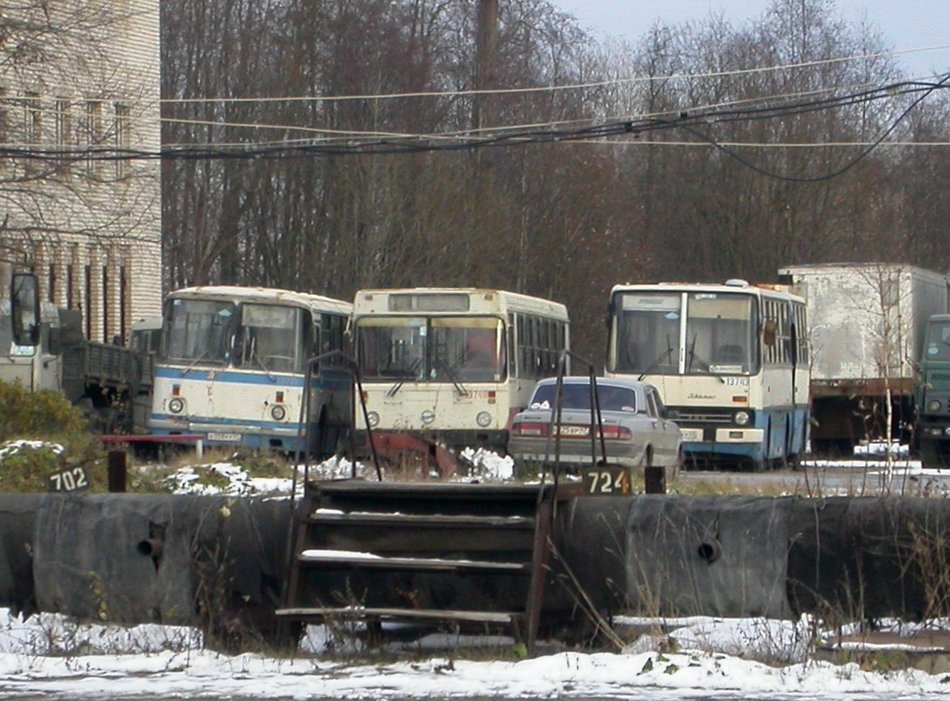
68, 480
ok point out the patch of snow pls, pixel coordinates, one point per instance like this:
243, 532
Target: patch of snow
10, 448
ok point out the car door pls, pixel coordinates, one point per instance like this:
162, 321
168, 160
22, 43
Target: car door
667, 432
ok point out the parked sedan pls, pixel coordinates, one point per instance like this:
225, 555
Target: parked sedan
637, 429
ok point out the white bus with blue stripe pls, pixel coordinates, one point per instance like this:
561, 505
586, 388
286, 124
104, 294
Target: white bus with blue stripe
233, 365
731, 360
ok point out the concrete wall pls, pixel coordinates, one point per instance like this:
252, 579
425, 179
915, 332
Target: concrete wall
220, 562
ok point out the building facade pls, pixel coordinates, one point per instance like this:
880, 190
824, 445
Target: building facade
80, 131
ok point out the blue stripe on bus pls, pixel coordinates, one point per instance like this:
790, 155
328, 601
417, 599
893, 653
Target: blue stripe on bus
214, 422
337, 381
241, 378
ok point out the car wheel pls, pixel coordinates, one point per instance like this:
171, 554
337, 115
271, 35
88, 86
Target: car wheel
673, 471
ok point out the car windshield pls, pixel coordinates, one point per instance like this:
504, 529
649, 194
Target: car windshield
577, 396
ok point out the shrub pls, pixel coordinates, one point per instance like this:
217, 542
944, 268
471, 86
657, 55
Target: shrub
43, 434
43, 414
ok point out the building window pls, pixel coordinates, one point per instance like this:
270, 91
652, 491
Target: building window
123, 140
64, 131
52, 282
106, 307
32, 119
92, 133
87, 312
70, 284
124, 312
32, 127
5, 139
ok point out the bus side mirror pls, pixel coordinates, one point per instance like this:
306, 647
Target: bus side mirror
25, 309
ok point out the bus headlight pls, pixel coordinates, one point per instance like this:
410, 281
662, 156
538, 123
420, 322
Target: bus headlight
933, 405
741, 418
373, 419
278, 412
483, 419
176, 405
427, 416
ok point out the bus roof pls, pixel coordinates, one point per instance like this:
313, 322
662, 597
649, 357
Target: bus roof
237, 293
739, 286
506, 301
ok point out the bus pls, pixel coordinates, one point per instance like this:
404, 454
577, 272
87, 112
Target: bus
453, 365
146, 335
730, 359
233, 364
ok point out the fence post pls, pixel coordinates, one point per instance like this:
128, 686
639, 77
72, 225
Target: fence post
117, 470
654, 480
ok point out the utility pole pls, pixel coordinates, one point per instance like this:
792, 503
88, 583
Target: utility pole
486, 41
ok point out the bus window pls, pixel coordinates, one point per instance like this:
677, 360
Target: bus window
719, 328
199, 330
648, 333
271, 338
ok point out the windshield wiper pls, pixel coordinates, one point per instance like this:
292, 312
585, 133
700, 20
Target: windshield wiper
195, 362
450, 372
260, 363
668, 353
409, 373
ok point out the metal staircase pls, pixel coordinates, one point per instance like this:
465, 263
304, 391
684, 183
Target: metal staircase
462, 556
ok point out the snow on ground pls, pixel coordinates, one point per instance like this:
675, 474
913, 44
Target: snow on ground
51, 656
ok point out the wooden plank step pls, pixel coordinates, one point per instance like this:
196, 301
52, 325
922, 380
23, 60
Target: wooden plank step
357, 612
357, 518
341, 558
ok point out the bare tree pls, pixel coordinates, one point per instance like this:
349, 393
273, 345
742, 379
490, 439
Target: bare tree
78, 96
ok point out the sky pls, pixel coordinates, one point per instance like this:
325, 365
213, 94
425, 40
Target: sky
905, 24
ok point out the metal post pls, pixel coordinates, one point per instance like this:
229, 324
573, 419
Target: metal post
118, 462
654, 480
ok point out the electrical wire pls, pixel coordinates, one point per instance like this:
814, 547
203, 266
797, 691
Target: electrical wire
697, 123
556, 88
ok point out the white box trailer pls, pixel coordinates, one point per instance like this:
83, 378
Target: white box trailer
866, 325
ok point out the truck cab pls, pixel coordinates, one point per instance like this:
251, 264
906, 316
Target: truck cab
29, 338
933, 395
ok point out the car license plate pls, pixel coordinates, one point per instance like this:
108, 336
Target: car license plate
229, 437
607, 481
691, 435
574, 431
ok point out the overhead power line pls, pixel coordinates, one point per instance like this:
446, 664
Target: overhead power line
698, 123
633, 80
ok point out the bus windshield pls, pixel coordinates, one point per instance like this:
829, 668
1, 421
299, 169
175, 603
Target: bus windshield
431, 348
718, 336
199, 331
271, 338
719, 333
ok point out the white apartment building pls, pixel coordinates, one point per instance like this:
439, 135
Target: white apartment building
79, 89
